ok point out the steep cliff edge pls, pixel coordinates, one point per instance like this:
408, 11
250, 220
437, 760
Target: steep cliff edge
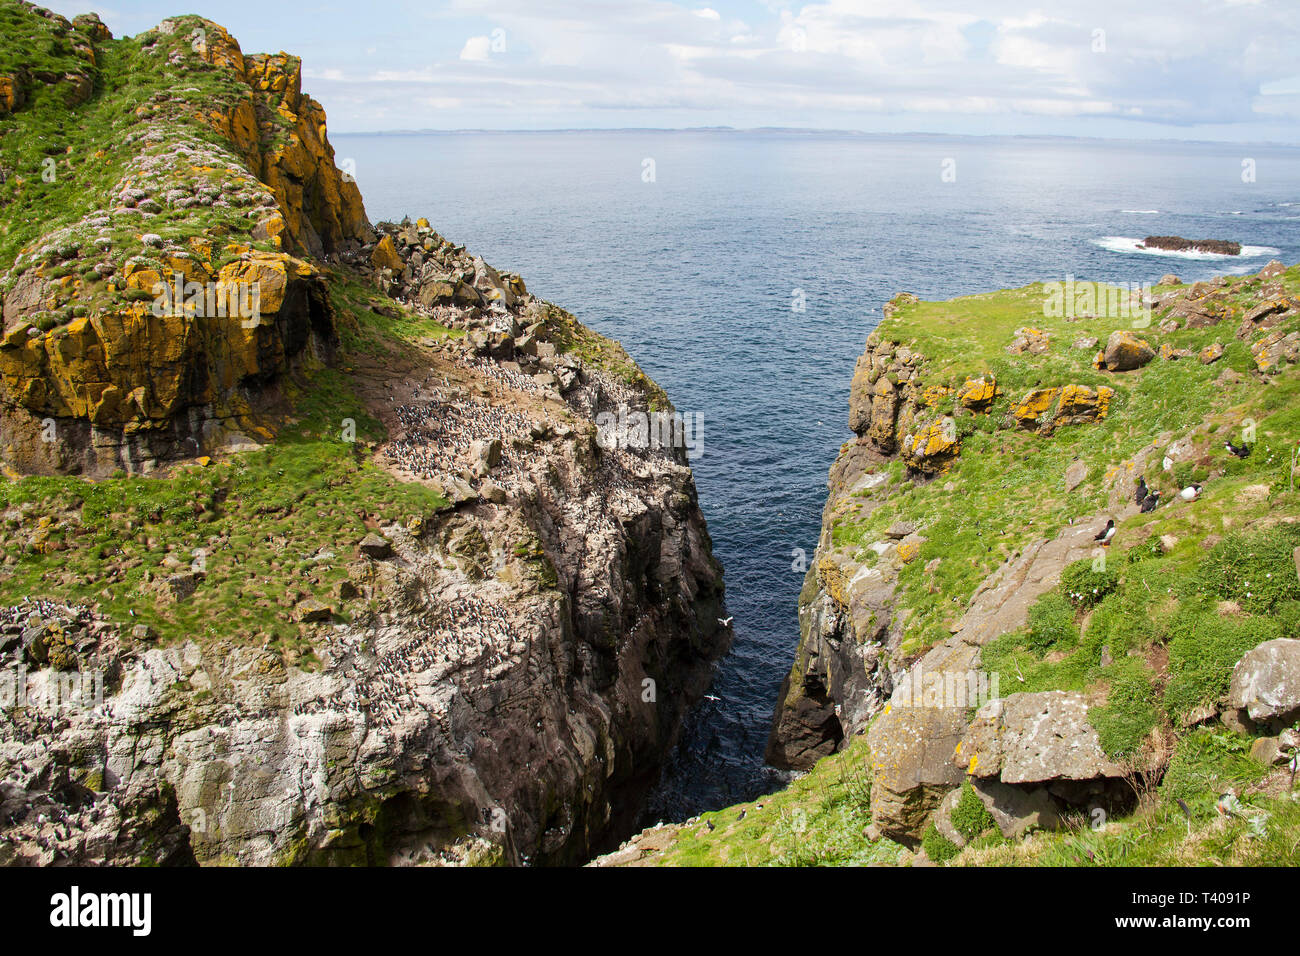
982, 673
338, 568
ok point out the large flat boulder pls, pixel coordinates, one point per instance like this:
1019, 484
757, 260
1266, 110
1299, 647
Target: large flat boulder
1034, 738
1266, 681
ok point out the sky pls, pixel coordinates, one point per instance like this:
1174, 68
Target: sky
1166, 69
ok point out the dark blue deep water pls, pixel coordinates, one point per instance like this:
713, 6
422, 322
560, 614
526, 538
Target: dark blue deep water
695, 273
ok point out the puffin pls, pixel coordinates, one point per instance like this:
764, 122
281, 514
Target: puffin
1151, 503
1106, 533
1191, 492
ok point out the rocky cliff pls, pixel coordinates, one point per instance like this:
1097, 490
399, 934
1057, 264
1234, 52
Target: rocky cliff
1047, 421
337, 568
1053, 611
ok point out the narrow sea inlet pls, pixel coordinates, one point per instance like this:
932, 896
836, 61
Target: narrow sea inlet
747, 275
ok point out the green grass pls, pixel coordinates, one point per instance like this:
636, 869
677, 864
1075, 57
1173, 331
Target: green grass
818, 820
1006, 487
275, 526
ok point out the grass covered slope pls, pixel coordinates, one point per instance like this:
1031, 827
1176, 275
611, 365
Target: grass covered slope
1007, 485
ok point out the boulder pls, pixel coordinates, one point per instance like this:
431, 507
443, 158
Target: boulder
1273, 270
1031, 410
1211, 353
437, 292
385, 256
486, 451
932, 447
179, 587
1125, 352
1031, 341
1034, 738
912, 742
1266, 681
1169, 279
310, 611
1080, 404
1075, 473
375, 546
1017, 810
977, 393
1276, 348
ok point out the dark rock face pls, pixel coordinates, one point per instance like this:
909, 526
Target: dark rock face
1222, 247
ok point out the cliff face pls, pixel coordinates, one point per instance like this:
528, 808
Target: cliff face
384, 597
996, 436
1055, 599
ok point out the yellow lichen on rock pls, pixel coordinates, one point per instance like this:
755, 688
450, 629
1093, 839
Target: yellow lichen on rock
10, 94
1081, 403
977, 393
831, 577
934, 394
385, 255
1032, 409
933, 446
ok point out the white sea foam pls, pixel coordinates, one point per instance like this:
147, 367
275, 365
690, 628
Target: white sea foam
1141, 212
1129, 244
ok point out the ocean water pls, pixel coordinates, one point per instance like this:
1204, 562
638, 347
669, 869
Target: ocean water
698, 273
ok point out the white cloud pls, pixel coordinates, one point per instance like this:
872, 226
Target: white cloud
1175, 62
477, 48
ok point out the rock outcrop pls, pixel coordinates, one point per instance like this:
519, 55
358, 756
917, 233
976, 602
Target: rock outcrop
850, 647
1125, 352
1266, 682
494, 678
140, 339
1221, 247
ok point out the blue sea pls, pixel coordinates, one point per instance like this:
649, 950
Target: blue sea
695, 249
